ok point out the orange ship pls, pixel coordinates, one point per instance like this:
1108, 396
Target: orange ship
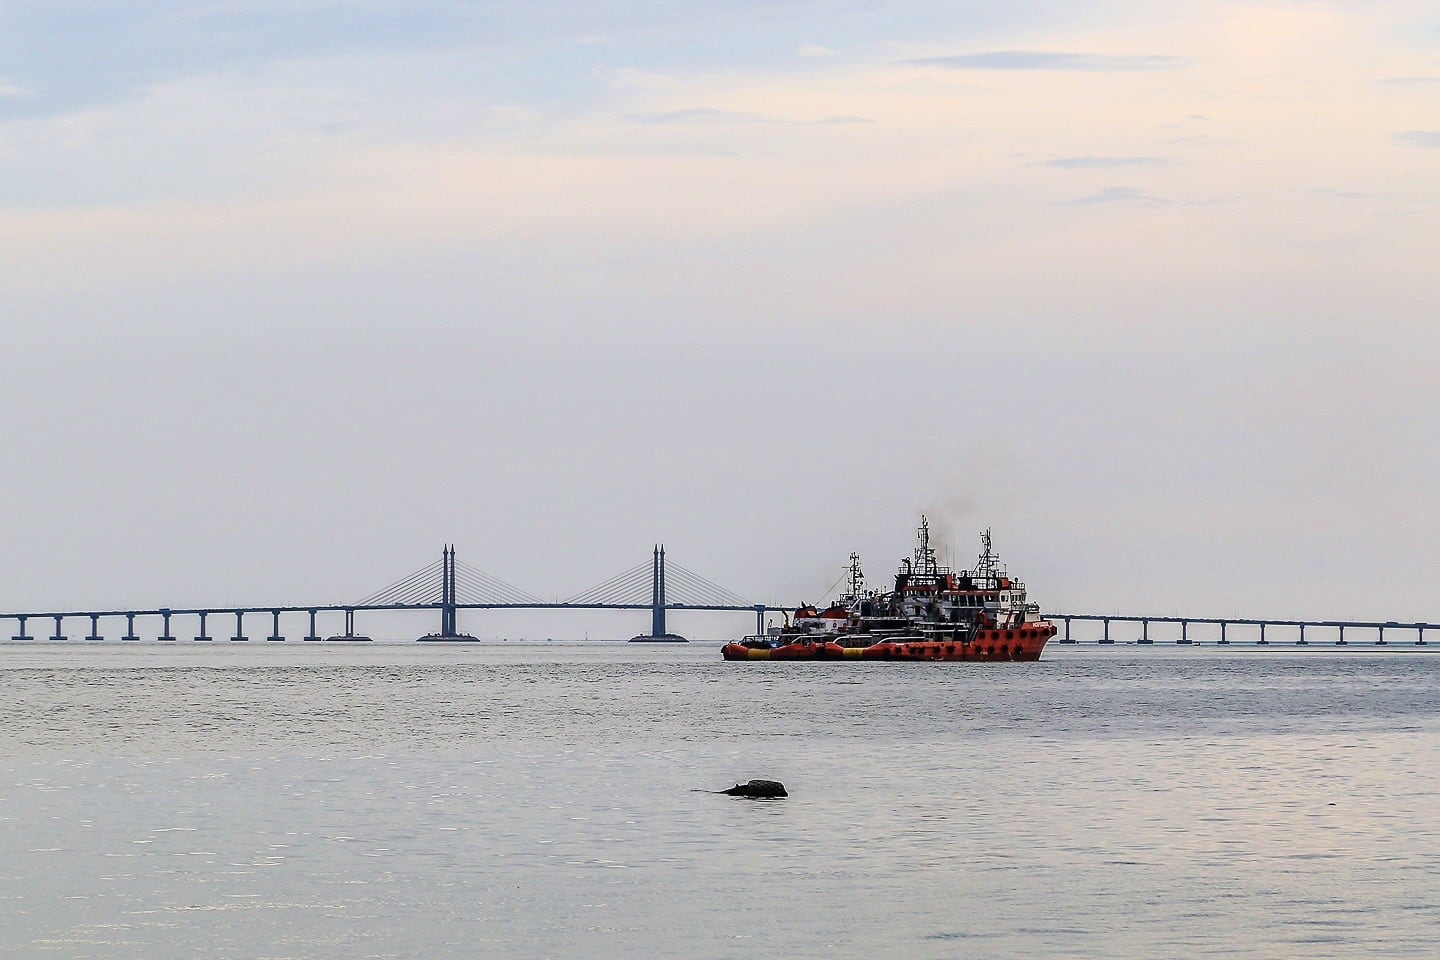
933, 613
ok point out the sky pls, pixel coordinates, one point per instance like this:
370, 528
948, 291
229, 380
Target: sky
292, 293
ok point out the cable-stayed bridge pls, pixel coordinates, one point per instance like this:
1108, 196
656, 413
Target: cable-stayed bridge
446, 586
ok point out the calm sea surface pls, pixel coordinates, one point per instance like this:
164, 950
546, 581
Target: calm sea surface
539, 800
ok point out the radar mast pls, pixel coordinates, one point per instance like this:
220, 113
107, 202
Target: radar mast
925, 563
986, 567
857, 578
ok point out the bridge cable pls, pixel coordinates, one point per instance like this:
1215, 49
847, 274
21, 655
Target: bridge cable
418, 587
623, 583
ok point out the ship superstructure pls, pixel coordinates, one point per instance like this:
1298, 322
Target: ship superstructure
933, 613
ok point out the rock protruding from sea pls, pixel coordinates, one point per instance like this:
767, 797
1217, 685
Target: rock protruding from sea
758, 790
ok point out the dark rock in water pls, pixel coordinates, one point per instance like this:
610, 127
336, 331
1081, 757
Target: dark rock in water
758, 790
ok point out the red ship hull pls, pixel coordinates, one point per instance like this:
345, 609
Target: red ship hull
1020, 644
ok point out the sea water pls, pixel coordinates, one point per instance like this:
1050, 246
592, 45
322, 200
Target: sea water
550, 800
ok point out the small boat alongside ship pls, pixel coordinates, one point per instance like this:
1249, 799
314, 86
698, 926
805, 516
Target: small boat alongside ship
933, 613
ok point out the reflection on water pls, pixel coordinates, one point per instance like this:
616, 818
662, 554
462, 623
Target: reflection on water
540, 801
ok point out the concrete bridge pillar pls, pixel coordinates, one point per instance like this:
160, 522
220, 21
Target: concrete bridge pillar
130, 627
165, 629
239, 628
275, 630
1263, 641
1223, 638
1144, 631
312, 635
59, 632
1341, 641
1302, 642
95, 628
204, 636
657, 594
1105, 637
22, 636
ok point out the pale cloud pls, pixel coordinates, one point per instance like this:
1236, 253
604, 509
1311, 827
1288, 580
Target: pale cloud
1417, 138
814, 50
1049, 60
714, 116
1104, 163
1107, 195
705, 115
631, 78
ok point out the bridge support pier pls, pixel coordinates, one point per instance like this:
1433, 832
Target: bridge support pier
59, 632
449, 604
1263, 642
759, 620
165, 629
312, 635
1302, 642
657, 596
1420, 635
1341, 641
22, 636
1184, 631
1144, 631
1380, 640
204, 635
130, 627
1105, 638
239, 628
95, 628
1066, 638
658, 606
1223, 638
275, 630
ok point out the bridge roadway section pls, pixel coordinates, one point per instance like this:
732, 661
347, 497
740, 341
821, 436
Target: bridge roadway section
1225, 623
1338, 638
446, 586
349, 609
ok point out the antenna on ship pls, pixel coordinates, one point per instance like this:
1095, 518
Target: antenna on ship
985, 566
857, 577
925, 564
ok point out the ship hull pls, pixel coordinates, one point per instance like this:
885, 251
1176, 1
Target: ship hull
1021, 644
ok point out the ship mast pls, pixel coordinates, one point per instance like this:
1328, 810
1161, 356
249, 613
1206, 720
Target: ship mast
925, 564
857, 578
985, 566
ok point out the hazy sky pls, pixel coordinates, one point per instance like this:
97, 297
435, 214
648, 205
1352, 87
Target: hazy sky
293, 292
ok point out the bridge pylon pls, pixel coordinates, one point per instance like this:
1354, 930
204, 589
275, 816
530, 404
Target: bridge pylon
449, 632
658, 633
